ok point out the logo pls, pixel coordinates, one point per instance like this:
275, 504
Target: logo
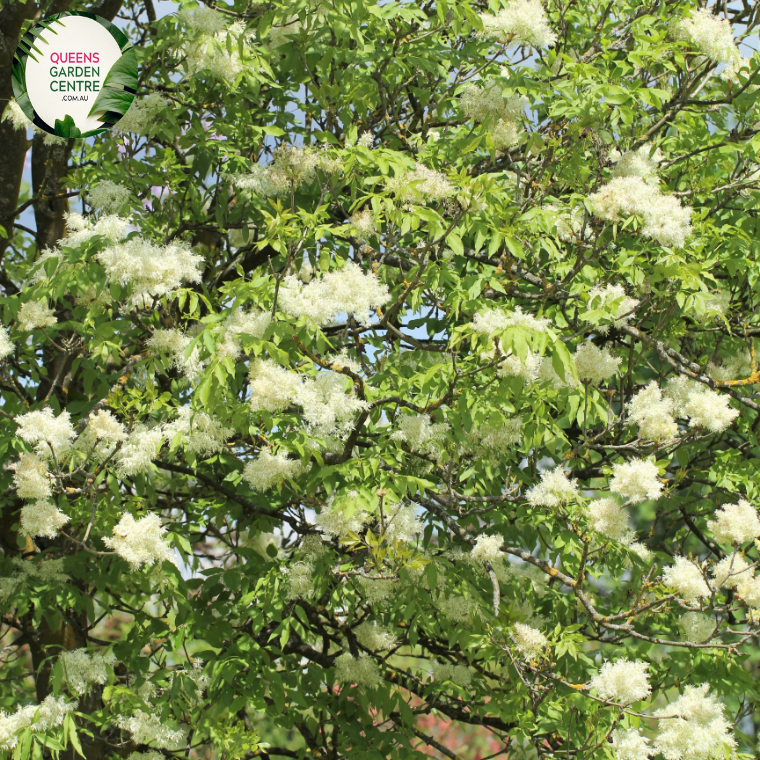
74, 74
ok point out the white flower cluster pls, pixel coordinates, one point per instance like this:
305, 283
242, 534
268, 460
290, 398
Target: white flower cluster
300, 574
140, 542
362, 670
82, 669
487, 548
50, 713
422, 184
594, 364
636, 481
202, 20
175, 342
149, 728
607, 517
31, 573
142, 114
640, 163
731, 572
197, 432
42, 518
493, 443
699, 732
328, 409
494, 321
569, 222
108, 196
218, 52
486, 104
344, 291
612, 298
653, 414
521, 22
51, 434
34, 314
711, 35
554, 489
629, 744
268, 470
152, 270
6, 345
375, 637
140, 450
622, 681
686, 578
702, 406
363, 224
31, 477
402, 522
665, 219
420, 433
735, 523
461, 675
530, 641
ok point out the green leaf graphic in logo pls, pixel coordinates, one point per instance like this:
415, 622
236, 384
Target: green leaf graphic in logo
112, 101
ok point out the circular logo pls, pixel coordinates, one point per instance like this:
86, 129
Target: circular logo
74, 74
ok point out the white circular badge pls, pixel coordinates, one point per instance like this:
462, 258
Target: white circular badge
73, 72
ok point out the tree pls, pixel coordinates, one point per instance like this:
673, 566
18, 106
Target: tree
400, 370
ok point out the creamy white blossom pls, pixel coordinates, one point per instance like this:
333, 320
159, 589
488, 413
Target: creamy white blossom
344, 291
329, 409
710, 34
736, 523
198, 432
554, 489
422, 184
487, 548
607, 517
15, 114
218, 52
50, 713
639, 163
51, 433
140, 542
361, 670
686, 578
82, 668
140, 450
239, 323
6, 345
731, 571
636, 481
495, 442
521, 22
403, 523
700, 730
268, 470
149, 728
420, 433
105, 427
530, 641
33, 314
272, 387
202, 20
629, 744
703, 407
176, 343
493, 321
290, 168
612, 299
108, 196
341, 518
31, 477
594, 364
300, 577
652, 413
363, 224
485, 103
622, 681
42, 518
142, 114
375, 636
152, 270
665, 219
461, 675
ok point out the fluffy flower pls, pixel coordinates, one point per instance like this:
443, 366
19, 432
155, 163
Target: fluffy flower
290, 168
17, 117
300, 577
344, 291
612, 299
494, 443
686, 578
622, 681
554, 489
699, 732
376, 591
328, 409
50, 713
149, 728
521, 22
42, 518
6, 346
595, 365
629, 744
361, 670
652, 413
375, 637
736, 523
487, 548
697, 628
748, 588
82, 668
152, 270
703, 407
635, 481
711, 35
108, 196
487, 104
51, 434
269, 470
731, 571
219, 53
664, 218
175, 342
495, 321
420, 433
31, 477
103, 426
530, 642
340, 519
272, 386
363, 224
639, 163
142, 114
33, 314
607, 517
197, 431
422, 184
202, 20
461, 675
403, 523
140, 542
139, 451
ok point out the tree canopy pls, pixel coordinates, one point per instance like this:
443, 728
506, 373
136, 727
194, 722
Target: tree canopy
388, 366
